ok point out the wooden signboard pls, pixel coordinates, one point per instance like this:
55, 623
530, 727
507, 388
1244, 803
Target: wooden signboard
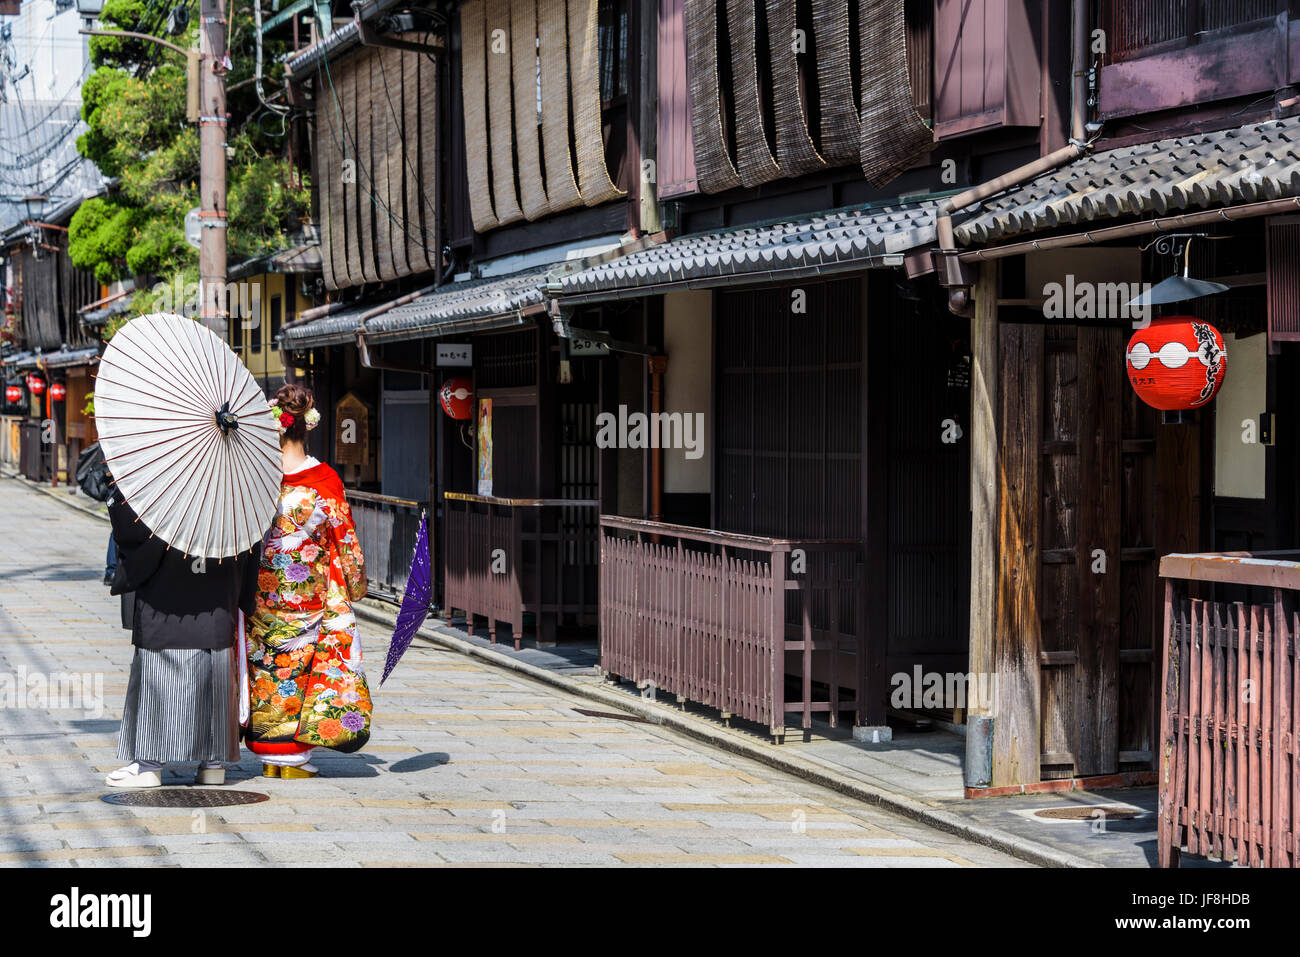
351, 431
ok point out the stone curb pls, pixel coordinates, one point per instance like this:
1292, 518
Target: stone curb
1024, 849
60, 494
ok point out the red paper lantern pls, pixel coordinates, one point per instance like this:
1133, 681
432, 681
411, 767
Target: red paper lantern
58, 391
457, 398
1177, 362
13, 393
35, 384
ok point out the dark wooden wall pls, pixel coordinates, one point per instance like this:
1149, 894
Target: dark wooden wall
789, 412
928, 477
1091, 491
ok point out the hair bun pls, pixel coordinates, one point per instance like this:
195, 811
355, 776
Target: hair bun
297, 400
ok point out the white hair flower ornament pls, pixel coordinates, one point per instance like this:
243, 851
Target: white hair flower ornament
284, 420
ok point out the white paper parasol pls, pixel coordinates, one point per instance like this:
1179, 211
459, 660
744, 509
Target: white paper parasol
188, 436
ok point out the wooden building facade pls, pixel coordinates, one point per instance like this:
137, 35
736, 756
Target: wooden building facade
813, 248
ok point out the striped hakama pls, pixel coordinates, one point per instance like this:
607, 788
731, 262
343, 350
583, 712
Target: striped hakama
181, 706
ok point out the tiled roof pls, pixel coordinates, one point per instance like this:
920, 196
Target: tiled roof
843, 239
480, 303
53, 360
475, 303
332, 330
1239, 165
119, 306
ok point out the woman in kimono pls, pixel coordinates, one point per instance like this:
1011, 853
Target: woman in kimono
306, 683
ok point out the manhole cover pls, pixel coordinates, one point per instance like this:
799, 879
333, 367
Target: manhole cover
184, 797
1088, 813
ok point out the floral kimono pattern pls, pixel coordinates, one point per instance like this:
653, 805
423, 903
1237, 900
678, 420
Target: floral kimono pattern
306, 680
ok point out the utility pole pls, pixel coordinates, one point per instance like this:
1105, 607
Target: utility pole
212, 163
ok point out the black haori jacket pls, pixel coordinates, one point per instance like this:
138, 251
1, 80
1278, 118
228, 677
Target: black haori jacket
170, 600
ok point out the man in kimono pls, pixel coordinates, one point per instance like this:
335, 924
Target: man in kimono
182, 701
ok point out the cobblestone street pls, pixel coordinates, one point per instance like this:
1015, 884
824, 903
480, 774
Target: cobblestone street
467, 765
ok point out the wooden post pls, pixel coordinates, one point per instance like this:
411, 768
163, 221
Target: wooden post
1017, 636
984, 478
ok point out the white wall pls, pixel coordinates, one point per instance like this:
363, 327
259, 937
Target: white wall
48, 42
1239, 466
688, 383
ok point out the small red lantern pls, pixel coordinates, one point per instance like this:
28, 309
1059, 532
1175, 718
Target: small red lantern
1177, 362
457, 398
35, 384
13, 394
58, 391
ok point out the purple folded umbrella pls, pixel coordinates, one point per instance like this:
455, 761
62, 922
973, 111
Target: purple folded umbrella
415, 602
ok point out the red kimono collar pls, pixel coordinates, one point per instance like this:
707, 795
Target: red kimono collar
320, 477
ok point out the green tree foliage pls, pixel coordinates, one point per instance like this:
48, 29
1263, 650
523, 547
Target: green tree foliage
134, 108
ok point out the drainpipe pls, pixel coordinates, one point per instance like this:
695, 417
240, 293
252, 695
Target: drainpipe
392, 365
658, 365
953, 274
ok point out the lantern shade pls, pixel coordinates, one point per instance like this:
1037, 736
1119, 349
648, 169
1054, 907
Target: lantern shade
13, 393
1177, 289
58, 391
457, 398
35, 384
1176, 363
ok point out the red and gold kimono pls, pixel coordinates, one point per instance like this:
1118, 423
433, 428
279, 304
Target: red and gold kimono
306, 684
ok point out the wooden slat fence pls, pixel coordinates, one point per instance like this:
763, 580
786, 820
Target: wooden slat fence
719, 619
387, 529
1229, 787
505, 558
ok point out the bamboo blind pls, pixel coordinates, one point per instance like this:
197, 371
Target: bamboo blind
884, 132
384, 69
552, 34
501, 140
473, 87
795, 151
840, 135
328, 157
546, 47
754, 160
354, 174
713, 163
526, 70
893, 133
584, 89
425, 117
408, 250
376, 166
366, 169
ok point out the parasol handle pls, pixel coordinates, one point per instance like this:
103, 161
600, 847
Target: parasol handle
226, 420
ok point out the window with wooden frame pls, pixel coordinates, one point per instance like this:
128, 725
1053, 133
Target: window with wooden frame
277, 318
1138, 28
